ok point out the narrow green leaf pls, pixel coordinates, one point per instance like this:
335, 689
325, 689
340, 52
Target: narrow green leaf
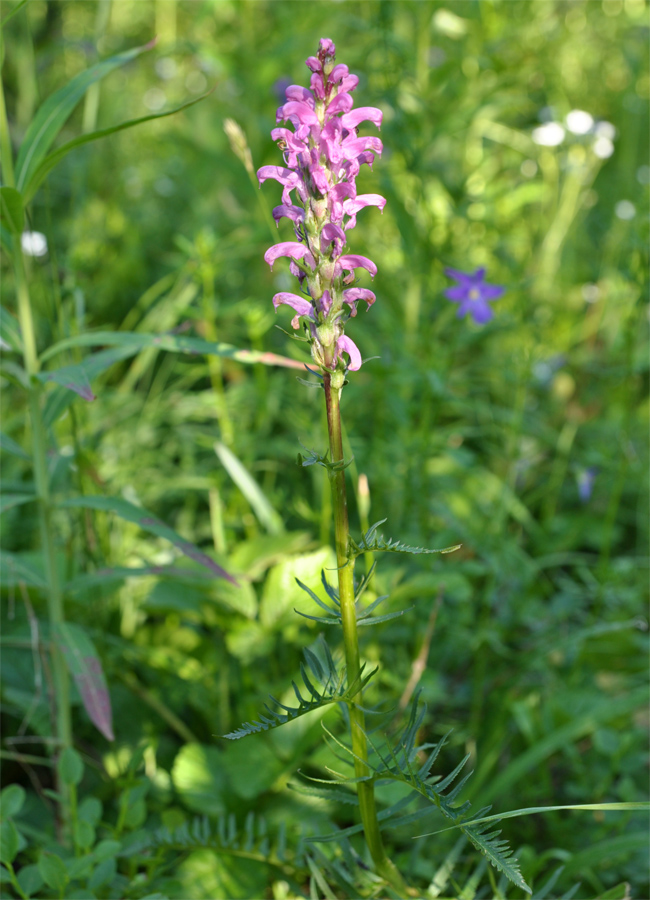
12, 12
12, 210
86, 669
172, 342
10, 337
132, 513
54, 113
253, 493
634, 806
14, 569
11, 800
52, 159
10, 446
7, 501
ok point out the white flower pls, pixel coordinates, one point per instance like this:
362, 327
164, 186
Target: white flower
549, 135
33, 243
579, 122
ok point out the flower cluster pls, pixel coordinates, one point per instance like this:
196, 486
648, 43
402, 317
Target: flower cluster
323, 155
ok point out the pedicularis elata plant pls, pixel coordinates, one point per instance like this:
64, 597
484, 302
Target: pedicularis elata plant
323, 154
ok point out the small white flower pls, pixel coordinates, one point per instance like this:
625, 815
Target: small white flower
33, 243
625, 210
603, 147
579, 122
549, 135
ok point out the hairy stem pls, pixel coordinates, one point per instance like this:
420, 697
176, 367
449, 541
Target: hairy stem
365, 790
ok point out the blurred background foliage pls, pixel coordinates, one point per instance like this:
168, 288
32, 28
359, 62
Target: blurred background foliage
525, 440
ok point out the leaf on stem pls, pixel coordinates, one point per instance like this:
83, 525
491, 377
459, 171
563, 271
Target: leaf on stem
371, 542
86, 669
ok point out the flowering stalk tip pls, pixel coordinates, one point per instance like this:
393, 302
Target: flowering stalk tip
323, 154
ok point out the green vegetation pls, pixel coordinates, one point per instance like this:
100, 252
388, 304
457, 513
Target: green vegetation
151, 421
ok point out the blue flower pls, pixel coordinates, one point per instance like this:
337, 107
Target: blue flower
473, 294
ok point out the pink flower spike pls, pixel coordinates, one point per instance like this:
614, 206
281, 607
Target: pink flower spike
362, 114
302, 306
346, 345
351, 262
353, 294
292, 250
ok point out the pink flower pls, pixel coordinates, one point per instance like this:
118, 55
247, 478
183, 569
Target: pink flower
323, 153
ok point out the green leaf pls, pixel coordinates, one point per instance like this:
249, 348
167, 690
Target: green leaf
136, 514
10, 337
172, 342
10, 446
84, 834
30, 879
632, 806
71, 767
371, 542
12, 12
105, 872
86, 669
334, 690
618, 892
55, 157
106, 849
11, 800
53, 871
54, 113
15, 569
9, 842
8, 501
11, 209
258, 501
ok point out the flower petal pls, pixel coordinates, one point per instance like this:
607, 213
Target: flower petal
301, 305
346, 345
290, 249
362, 114
353, 294
352, 261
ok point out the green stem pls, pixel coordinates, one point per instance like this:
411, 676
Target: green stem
365, 790
41, 478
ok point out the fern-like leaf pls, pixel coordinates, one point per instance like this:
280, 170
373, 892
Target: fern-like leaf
334, 689
371, 542
333, 617
399, 761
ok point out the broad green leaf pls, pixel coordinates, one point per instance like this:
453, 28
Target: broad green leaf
71, 767
11, 800
11, 446
57, 155
281, 593
55, 111
9, 842
172, 342
86, 670
12, 210
256, 497
30, 879
7, 501
104, 872
10, 337
53, 870
132, 513
106, 849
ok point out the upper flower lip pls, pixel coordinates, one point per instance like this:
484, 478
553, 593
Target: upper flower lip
291, 249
